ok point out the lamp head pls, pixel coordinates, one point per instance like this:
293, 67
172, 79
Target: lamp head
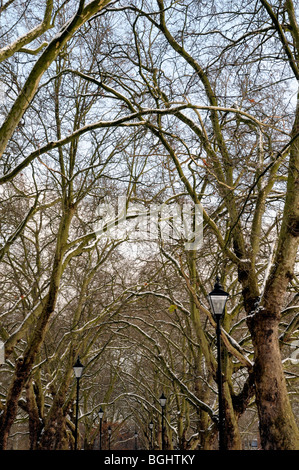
218, 298
162, 400
78, 368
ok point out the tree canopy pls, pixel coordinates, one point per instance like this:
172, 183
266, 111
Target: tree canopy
149, 107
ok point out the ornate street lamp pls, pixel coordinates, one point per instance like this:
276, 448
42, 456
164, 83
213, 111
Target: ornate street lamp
78, 370
101, 414
218, 298
151, 426
162, 400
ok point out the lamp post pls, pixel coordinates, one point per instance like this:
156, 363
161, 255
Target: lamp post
136, 437
109, 437
162, 400
218, 298
78, 369
151, 426
101, 414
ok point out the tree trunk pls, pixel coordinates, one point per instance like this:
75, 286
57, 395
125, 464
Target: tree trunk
24, 365
278, 427
35, 425
55, 431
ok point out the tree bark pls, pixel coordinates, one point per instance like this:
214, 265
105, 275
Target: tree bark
24, 364
278, 427
35, 425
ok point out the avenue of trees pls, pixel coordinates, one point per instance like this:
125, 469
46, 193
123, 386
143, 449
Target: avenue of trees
176, 102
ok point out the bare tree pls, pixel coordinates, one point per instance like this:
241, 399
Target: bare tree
167, 100
215, 116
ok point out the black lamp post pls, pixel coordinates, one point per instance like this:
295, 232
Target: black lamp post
109, 437
163, 403
101, 414
151, 426
78, 369
136, 437
217, 299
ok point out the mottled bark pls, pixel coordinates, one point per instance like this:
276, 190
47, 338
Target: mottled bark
35, 424
278, 427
